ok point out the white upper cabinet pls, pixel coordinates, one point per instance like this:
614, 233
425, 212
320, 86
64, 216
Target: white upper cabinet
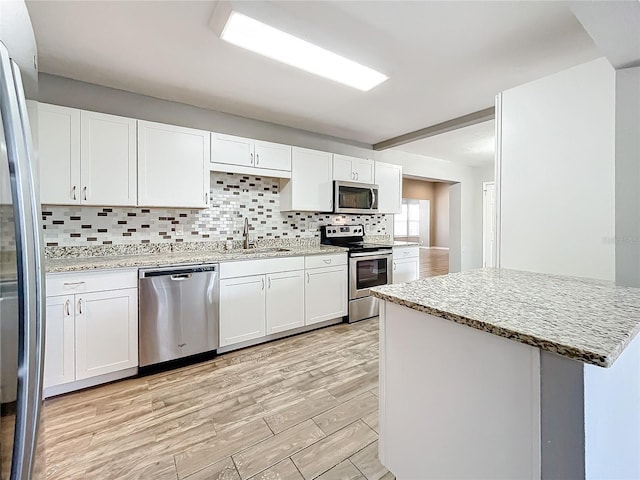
353, 169
389, 181
274, 156
173, 166
245, 155
59, 154
108, 169
86, 158
311, 185
231, 150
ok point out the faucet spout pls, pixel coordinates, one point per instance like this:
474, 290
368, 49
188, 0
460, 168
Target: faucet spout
245, 236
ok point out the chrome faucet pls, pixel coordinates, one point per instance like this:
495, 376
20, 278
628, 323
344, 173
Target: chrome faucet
245, 236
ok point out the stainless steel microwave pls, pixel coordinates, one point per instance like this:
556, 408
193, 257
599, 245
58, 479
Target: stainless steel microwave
350, 197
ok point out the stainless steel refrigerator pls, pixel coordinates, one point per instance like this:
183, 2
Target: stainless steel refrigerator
21, 281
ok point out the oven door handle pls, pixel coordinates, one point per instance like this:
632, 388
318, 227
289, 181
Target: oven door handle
373, 255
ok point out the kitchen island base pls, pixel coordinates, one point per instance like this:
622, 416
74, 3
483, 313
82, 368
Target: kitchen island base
458, 402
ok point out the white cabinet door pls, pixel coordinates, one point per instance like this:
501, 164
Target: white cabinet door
109, 160
325, 294
274, 156
173, 166
311, 185
342, 168
106, 332
285, 301
59, 154
405, 270
353, 169
389, 180
242, 309
59, 350
363, 170
231, 149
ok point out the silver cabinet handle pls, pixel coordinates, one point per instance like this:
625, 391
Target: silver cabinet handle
394, 266
327, 261
71, 284
84, 192
353, 176
206, 198
73, 192
67, 307
252, 159
257, 158
307, 277
80, 306
263, 283
357, 176
269, 283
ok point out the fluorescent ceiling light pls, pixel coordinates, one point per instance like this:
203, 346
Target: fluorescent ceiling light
260, 38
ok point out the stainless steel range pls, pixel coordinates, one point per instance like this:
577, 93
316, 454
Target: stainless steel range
369, 266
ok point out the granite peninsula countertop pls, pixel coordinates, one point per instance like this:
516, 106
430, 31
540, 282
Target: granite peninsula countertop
586, 320
80, 263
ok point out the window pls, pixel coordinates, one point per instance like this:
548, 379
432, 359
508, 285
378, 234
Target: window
407, 222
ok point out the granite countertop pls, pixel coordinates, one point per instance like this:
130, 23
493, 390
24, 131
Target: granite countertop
398, 243
586, 320
72, 264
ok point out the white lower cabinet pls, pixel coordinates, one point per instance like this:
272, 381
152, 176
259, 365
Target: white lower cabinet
325, 293
285, 301
261, 298
406, 264
106, 332
242, 311
91, 327
59, 359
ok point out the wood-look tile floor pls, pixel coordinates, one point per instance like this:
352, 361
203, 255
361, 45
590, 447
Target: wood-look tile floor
299, 408
433, 261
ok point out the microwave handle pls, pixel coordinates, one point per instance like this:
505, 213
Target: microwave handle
373, 198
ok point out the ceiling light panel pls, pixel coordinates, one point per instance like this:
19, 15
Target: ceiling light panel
260, 38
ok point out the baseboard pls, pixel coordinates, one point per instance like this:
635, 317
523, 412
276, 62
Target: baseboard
438, 248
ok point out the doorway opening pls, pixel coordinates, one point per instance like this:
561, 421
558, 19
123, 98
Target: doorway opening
424, 219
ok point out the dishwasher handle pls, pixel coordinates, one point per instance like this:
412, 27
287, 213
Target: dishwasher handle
179, 277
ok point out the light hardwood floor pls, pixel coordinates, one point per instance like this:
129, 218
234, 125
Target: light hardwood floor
300, 408
433, 261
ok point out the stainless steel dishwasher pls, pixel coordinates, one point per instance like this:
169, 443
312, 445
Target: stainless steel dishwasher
178, 312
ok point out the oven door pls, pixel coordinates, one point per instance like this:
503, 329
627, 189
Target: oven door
355, 198
368, 270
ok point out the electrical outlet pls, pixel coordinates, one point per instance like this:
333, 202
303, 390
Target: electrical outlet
179, 229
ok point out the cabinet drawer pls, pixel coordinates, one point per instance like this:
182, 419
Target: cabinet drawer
81, 282
243, 268
328, 260
406, 252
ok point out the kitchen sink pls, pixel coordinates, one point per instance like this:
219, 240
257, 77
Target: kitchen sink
259, 250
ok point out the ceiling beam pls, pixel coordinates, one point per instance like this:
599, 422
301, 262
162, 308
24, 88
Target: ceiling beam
453, 124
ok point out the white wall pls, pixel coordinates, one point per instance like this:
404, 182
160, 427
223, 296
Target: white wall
465, 223
557, 185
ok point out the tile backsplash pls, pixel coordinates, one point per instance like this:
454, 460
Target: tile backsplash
233, 197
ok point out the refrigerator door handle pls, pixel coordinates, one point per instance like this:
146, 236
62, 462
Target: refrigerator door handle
27, 215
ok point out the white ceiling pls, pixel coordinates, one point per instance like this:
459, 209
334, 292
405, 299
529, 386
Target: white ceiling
445, 59
474, 145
